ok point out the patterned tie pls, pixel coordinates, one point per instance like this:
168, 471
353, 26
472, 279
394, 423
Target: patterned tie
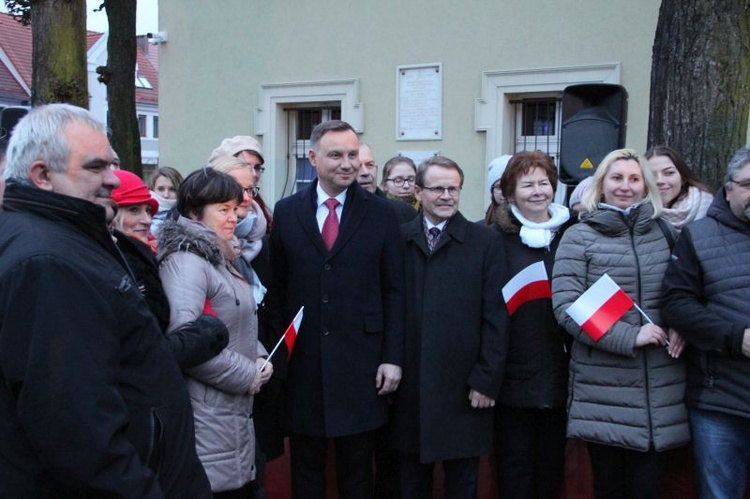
331, 224
432, 239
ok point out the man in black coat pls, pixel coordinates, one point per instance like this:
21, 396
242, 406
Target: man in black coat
455, 338
92, 402
336, 250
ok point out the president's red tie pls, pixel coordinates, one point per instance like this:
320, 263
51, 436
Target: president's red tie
331, 224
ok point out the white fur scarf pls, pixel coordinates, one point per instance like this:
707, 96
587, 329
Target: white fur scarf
539, 235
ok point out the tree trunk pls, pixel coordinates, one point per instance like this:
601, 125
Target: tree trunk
59, 52
700, 82
121, 49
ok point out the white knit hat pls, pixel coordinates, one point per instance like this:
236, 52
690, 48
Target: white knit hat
496, 168
235, 145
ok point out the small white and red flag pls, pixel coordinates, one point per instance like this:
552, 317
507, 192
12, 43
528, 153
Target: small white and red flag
600, 307
532, 283
289, 336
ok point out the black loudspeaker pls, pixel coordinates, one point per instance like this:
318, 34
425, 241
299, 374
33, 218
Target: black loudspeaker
9, 116
593, 125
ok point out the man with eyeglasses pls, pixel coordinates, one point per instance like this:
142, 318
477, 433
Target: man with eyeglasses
367, 179
455, 338
247, 149
707, 299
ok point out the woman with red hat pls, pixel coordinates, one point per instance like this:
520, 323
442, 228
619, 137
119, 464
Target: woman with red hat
135, 208
193, 343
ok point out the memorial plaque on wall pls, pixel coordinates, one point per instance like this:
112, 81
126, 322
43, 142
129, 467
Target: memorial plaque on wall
419, 108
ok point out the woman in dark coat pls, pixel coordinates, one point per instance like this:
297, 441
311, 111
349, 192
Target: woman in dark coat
530, 415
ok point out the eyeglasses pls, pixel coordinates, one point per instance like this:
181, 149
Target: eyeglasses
438, 191
742, 184
400, 181
251, 191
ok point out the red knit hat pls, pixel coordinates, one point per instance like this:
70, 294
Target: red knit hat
132, 191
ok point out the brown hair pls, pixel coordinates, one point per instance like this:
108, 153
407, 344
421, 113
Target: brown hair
689, 178
522, 163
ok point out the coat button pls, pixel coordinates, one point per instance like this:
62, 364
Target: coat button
325, 333
325, 299
327, 266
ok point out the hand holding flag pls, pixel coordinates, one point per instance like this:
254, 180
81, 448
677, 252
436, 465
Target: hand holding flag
600, 307
289, 336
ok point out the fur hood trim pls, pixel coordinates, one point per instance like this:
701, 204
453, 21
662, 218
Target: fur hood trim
191, 236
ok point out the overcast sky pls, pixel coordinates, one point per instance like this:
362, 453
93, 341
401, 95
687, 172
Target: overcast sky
147, 18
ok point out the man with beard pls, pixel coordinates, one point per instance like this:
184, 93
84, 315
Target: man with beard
92, 403
706, 296
455, 338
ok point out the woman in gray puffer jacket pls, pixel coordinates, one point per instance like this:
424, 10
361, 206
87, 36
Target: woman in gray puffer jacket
195, 255
626, 390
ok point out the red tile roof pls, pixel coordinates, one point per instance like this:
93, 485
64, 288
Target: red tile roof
15, 41
147, 70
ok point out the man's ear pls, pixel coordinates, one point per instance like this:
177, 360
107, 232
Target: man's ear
39, 175
312, 157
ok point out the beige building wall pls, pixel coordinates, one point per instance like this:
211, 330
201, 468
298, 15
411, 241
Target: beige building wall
219, 54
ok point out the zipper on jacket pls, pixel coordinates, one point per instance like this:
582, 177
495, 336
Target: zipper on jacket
631, 231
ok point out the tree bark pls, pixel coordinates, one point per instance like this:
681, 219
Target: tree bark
122, 119
59, 52
700, 82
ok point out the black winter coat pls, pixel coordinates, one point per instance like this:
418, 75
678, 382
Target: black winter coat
706, 297
91, 401
191, 344
354, 310
536, 368
456, 340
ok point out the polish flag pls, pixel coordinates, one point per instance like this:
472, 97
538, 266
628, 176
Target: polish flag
290, 335
531, 283
600, 307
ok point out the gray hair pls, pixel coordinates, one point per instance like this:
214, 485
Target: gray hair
740, 159
39, 136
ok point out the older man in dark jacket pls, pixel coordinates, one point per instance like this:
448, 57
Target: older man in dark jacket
455, 338
706, 298
92, 403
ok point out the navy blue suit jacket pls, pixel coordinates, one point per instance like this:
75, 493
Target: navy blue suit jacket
354, 310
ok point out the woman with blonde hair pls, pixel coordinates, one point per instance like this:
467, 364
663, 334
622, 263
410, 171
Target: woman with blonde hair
627, 387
